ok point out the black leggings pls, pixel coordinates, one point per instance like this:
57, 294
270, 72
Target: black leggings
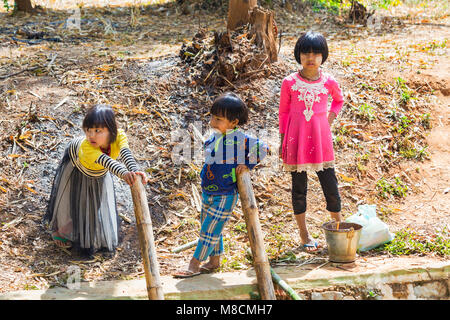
328, 181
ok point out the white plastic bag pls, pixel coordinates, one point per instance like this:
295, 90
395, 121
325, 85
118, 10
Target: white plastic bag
374, 232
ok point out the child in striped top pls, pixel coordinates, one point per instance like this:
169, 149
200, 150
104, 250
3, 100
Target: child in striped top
82, 210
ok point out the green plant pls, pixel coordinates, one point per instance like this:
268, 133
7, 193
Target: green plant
385, 4
190, 222
340, 140
333, 6
403, 123
413, 153
366, 112
241, 227
434, 45
192, 175
361, 161
343, 131
287, 257
409, 150
6, 5
408, 242
385, 212
345, 63
277, 241
366, 86
236, 265
30, 287
406, 94
363, 157
396, 188
425, 121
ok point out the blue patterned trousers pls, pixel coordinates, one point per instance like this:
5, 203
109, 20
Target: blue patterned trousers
216, 210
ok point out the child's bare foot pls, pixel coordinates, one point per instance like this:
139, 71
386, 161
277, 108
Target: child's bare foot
212, 265
191, 271
208, 268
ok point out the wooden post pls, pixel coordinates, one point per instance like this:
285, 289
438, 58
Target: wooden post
146, 241
260, 260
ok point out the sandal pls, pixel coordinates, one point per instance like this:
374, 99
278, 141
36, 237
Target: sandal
186, 274
314, 245
64, 241
208, 270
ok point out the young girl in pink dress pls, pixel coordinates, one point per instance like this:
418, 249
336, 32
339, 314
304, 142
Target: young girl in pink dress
305, 121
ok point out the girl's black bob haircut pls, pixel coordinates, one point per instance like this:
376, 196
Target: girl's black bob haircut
230, 106
311, 42
101, 116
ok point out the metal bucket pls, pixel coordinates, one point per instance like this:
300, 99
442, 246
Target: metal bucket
342, 242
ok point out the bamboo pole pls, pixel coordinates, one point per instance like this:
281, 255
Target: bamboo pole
146, 241
277, 279
185, 246
260, 260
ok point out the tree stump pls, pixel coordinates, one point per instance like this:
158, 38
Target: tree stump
241, 53
24, 5
358, 13
262, 22
265, 29
239, 13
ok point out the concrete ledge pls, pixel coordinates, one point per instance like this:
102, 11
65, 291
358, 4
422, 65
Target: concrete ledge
381, 275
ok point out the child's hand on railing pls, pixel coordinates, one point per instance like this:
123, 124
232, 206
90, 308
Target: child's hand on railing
241, 168
130, 177
143, 177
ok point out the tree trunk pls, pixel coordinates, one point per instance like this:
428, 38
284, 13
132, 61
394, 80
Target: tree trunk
239, 13
24, 5
263, 25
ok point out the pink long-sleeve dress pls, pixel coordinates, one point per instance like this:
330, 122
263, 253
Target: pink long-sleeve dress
303, 118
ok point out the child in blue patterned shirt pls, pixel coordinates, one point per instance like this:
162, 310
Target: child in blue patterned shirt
228, 152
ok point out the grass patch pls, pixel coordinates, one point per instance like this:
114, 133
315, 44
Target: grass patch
395, 187
408, 242
365, 112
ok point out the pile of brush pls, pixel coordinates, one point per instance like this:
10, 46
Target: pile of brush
223, 59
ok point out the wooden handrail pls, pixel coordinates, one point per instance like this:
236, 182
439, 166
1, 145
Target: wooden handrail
146, 241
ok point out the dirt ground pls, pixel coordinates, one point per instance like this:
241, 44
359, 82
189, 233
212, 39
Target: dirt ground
129, 59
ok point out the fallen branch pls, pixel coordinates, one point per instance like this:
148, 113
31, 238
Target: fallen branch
29, 69
19, 72
12, 223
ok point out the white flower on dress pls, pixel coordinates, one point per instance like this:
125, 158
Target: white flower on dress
309, 93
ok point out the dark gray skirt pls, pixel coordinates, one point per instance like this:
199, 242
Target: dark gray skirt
83, 209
